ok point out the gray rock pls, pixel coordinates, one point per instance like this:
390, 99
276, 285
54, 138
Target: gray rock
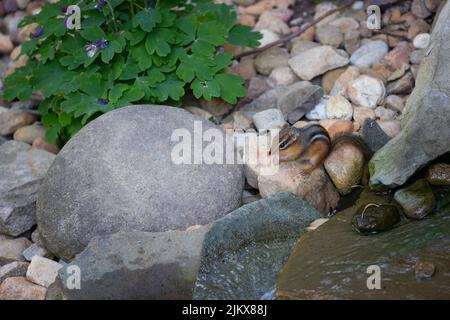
268, 119
425, 134
18, 209
258, 237
299, 99
11, 250
267, 100
2, 140
22, 171
13, 269
35, 250
137, 265
117, 174
373, 135
369, 54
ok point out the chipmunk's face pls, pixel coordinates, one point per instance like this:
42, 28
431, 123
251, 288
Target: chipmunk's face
288, 144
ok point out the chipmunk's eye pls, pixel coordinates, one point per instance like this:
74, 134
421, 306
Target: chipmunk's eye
282, 145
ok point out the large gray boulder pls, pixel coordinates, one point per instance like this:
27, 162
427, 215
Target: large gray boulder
134, 265
22, 170
425, 131
117, 174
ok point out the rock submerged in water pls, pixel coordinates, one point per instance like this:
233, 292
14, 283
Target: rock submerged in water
132, 184
375, 218
417, 200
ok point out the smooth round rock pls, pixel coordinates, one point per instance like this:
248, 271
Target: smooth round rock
117, 174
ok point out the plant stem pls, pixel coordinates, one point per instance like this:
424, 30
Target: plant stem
112, 16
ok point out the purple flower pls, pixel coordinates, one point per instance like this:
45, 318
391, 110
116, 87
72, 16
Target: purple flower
64, 10
99, 5
39, 32
93, 48
103, 102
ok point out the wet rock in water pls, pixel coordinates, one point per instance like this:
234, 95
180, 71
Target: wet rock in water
299, 99
19, 288
375, 218
345, 166
329, 35
137, 265
332, 261
10, 121
339, 108
373, 135
315, 188
366, 91
248, 247
139, 165
316, 61
425, 135
370, 53
424, 269
11, 250
268, 119
417, 200
438, 174
13, 269
270, 59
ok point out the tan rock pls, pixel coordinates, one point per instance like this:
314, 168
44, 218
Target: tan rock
270, 59
316, 61
329, 36
271, 22
339, 108
345, 166
342, 83
40, 144
402, 86
267, 37
282, 76
345, 24
385, 114
11, 250
299, 46
323, 8
396, 103
308, 35
391, 128
247, 20
366, 91
43, 271
399, 56
18, 288
340, 126
330, 78
10, 121
352, 41
416, 27
29, 133
6, 45
246, 68
419, 9
360, 114
315, 188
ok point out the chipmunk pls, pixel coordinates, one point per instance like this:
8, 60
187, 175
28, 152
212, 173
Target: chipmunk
312, 144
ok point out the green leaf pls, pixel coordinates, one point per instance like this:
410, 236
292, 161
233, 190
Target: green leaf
92, 33
160, 40
195, 66
17, 86
231, 87
47, 52
51, 135
135, 37
142, 57
65, 119
207, 89
116, 45
146, 19
117, 92
133, 94
244, 36
169, 88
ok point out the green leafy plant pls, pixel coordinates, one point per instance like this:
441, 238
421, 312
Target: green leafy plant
126, 52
